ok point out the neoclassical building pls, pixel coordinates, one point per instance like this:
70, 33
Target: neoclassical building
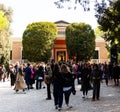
59, 50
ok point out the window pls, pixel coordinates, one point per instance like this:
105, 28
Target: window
61, 33
95, 56
23, 57
11, 55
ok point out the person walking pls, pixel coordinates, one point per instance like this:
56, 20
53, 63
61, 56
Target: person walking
116, 73
28, 73
16, 67
4, 72
12, 75
57, 87
85, 78
106, 74
68, 83
48, 80
1, 73
96, 78
39, 74
20, 82
32, 77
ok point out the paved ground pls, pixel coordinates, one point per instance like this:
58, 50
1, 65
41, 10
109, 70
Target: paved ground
34, 100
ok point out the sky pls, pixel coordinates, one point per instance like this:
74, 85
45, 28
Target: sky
28, 11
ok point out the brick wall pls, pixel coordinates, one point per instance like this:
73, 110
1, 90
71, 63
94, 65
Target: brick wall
16, 49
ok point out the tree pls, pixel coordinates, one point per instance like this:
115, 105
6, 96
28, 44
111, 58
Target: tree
5, 20
38, 41
109, 22
84, 3
80, 41
98, 32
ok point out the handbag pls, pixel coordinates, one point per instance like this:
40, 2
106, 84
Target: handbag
74, 92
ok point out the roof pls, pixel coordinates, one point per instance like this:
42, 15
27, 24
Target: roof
61, 21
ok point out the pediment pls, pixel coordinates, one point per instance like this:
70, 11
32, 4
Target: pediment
61, 23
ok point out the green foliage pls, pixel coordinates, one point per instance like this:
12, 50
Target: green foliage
86, 4
110, 22
98, 32
5, 20
38, 41
118, 57
80, 41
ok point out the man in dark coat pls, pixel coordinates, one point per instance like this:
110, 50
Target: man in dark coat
116, 74
96, 78
27, 71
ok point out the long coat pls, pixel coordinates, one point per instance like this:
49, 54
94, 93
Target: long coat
20, 82
85, 77
28, 72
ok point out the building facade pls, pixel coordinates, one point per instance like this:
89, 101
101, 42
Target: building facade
59, 51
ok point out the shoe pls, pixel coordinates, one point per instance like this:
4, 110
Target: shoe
56, 106
98, 99
59, 109
48, 98
83, 96
24, 91
17, 91
69, 106
31, 87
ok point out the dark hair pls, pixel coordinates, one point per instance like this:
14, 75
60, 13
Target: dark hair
20, 71
56, 67
95, 66
28, 64
64, 68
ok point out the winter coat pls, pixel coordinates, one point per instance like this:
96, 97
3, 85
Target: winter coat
20, 82
48, 76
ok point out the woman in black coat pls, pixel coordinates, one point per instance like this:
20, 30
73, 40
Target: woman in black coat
96, 78
57, 87
85, 78
116, 74
12, 75
39, 74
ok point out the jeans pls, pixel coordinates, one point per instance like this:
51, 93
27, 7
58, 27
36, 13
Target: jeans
67, 96
58, 94
96, 89
38, 84
48, 91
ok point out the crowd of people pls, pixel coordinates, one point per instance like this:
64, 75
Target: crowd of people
62, 77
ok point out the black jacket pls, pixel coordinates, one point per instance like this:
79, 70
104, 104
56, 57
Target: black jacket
67, 79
